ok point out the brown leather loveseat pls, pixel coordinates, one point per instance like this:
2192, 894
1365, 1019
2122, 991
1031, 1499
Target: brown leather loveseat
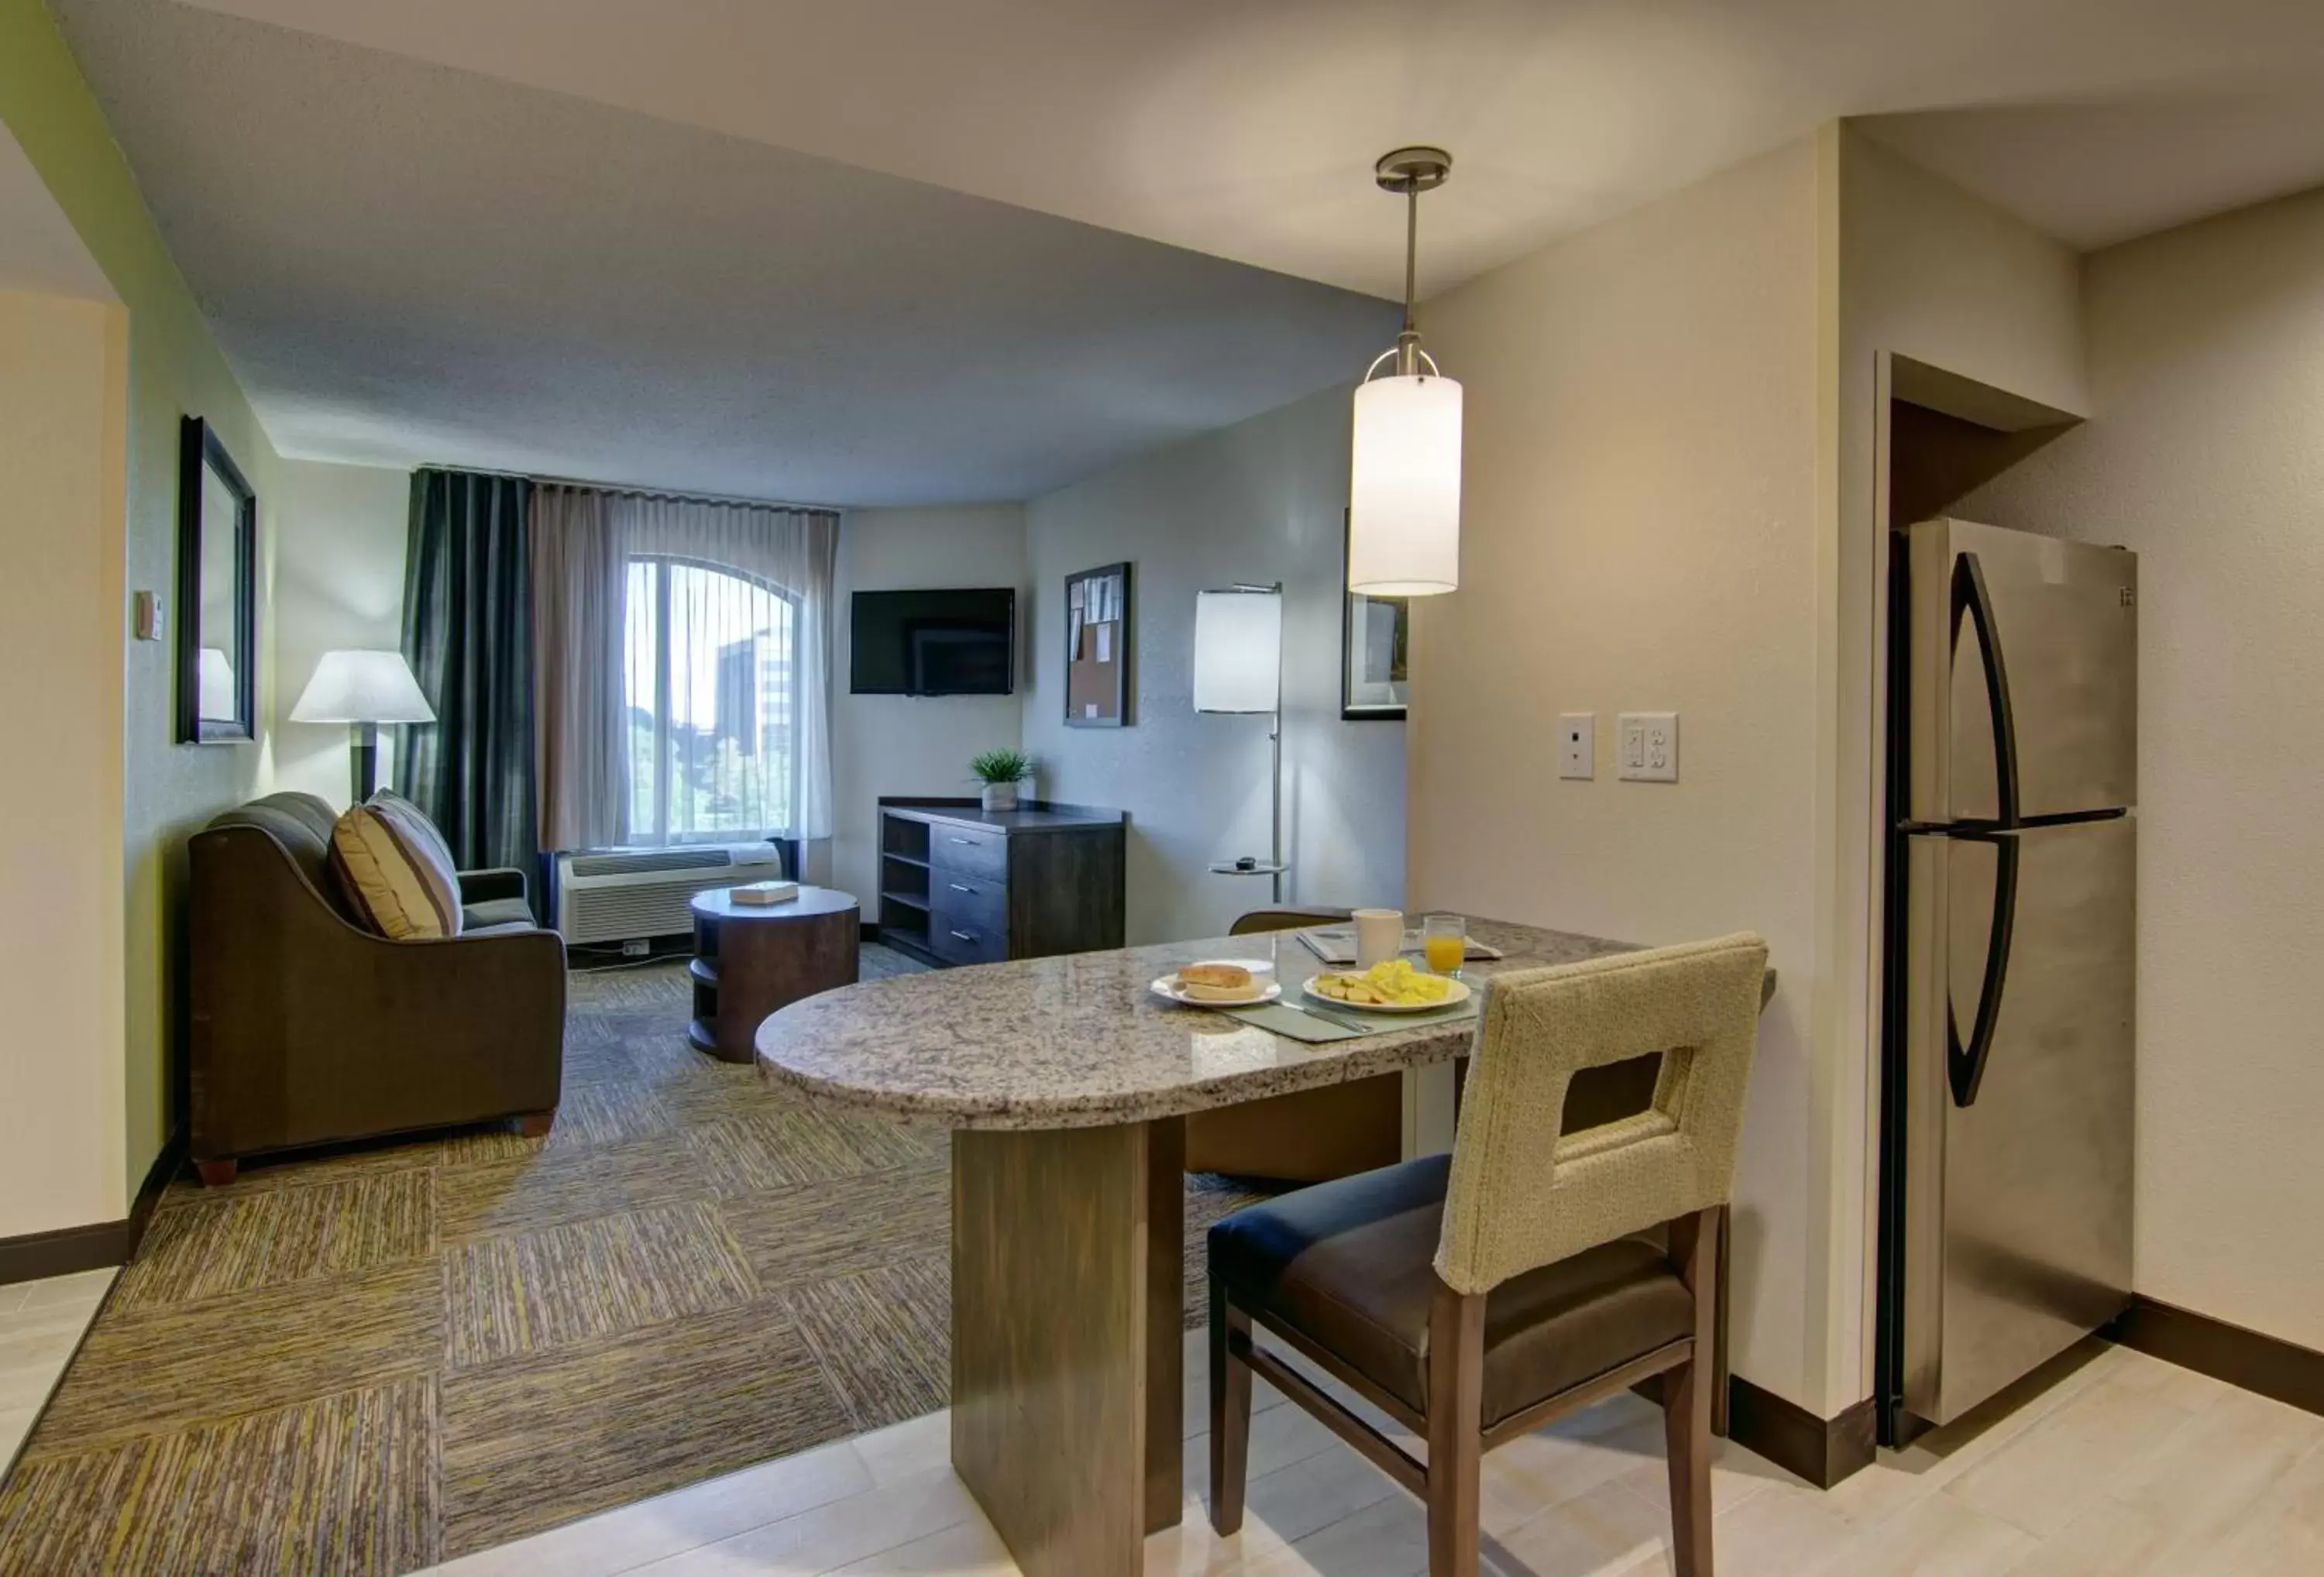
308, 1028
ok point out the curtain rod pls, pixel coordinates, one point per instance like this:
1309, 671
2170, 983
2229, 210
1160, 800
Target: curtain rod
672, 494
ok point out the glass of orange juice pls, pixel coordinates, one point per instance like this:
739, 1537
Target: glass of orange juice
1445, 943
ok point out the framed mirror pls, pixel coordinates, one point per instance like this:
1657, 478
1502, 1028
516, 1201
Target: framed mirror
218, 593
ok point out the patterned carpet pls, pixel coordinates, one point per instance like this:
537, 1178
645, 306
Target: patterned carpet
371, 1361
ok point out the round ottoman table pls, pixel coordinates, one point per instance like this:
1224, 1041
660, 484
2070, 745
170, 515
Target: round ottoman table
751, 959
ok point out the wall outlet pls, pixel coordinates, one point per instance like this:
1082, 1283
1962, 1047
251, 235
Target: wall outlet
635, 947
1577, 744
1646, 747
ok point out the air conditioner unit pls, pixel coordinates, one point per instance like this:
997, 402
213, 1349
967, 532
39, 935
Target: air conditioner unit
634, 894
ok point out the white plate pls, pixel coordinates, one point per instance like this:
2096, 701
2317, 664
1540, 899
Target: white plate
1453, 999
1167, 987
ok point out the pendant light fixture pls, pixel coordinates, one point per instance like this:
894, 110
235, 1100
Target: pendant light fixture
1404, 491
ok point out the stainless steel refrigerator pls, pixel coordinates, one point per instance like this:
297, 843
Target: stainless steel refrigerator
2007, 1097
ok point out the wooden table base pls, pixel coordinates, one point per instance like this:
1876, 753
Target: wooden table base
752, 959
1067, 1340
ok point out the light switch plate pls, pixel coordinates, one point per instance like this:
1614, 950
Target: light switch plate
146, 615
1577, 744
1646, 747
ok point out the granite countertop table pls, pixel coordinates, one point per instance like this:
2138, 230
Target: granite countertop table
1079, 1041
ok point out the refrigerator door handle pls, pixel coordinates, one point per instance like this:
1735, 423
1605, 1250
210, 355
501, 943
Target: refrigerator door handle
1965, 1065
1969, 597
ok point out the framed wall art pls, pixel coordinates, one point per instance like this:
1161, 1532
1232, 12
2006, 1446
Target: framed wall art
1097, 648
1374, 647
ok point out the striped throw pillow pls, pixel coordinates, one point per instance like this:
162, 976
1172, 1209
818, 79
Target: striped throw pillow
396, 869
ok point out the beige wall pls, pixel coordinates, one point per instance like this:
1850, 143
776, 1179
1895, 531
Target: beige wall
2205, 455
63, 393
1922, 268
902, 744
1260, 502
174, 369
1672, 503
339, 536
1639, 533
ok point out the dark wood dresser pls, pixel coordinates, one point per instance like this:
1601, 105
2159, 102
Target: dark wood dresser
962, 885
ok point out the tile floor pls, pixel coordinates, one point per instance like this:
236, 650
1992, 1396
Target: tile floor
2110, 1462
40, 1324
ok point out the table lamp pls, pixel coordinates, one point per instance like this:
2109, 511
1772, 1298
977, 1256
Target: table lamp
363, 690
1238, 667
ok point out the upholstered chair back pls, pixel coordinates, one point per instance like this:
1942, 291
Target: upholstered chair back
1521, 1196
300, 825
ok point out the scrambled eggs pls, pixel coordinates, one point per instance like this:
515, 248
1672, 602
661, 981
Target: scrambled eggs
1392, 984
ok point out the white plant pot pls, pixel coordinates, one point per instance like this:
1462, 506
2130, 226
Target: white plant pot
1001, 797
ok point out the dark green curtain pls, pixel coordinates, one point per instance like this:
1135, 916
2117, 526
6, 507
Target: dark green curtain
468, 633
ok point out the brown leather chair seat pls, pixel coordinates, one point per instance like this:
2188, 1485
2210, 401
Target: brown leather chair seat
1348, 1265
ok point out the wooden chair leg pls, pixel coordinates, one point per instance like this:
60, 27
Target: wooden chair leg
1686, 1398
217, 1174
1720, 1372
1229, 1414
536, 1124
1456, 1388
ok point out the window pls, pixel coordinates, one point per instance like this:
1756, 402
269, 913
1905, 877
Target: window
710, 693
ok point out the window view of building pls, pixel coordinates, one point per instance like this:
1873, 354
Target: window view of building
708, 682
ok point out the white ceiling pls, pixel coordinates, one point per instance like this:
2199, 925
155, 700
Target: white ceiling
409, 265
680, 240
1247, 130
2104, 170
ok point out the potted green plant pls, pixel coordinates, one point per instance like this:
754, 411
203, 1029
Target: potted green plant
1001, 771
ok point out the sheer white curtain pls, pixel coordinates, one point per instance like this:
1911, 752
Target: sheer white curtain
726, 669
577, 669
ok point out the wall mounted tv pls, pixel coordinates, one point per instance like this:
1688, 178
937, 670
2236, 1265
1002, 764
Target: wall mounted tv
948, 642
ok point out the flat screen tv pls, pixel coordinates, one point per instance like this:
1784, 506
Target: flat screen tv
949, 642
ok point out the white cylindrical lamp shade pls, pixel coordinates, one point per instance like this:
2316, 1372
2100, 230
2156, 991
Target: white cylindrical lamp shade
1238, 650
1404, 491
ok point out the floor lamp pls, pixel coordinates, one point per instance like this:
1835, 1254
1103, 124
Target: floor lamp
1238, 667
363, 690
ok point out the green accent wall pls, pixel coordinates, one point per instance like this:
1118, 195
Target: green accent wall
175, 368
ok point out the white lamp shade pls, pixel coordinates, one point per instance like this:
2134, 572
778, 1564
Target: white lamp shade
1238, 650
214, 686
362, 686
1404, 493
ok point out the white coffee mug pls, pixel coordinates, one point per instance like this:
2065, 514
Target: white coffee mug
1380, 936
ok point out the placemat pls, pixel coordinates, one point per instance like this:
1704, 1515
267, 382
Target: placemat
1336, 945
1295, 1025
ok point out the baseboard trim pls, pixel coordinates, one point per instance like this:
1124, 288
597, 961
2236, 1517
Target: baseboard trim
37, 1255
158, 1177
2252, 1359
65, 1250
1822, 1450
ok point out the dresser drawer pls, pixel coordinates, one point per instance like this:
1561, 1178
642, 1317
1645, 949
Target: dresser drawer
968, 937
968, 852
962, 890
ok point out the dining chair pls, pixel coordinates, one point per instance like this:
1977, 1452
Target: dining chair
1258, 922
1309, 1136
1475, 1297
